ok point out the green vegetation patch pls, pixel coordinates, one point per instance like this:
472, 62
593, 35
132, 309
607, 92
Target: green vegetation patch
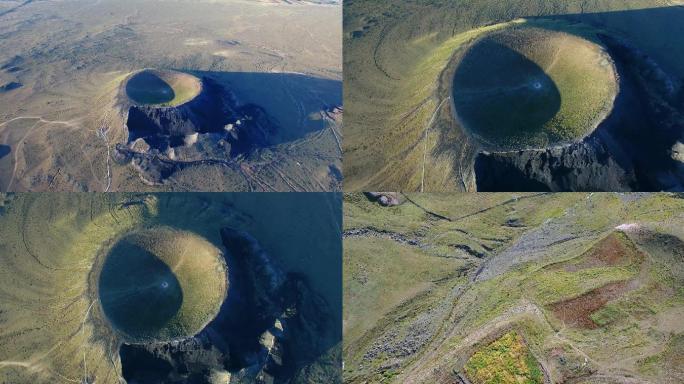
532, 87
506, 360
671, 359
606, 315
554, 286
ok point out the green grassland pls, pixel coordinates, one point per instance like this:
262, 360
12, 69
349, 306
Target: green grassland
400, 133
376, 288
452, 273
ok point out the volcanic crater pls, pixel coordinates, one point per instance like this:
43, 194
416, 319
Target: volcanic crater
175, 119
528, 87
613, 122
162, 88
161, 284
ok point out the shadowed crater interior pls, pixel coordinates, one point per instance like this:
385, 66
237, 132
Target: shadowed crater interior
161, 284
272, 328
162, 88
529, 87
500, 102
139, 293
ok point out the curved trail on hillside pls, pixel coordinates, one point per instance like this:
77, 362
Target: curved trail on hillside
425, 140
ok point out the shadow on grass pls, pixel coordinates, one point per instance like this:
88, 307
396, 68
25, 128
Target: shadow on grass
656, 31
4, 150
268, 108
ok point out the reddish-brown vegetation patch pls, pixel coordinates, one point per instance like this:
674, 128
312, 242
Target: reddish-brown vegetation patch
615, 249
576, 312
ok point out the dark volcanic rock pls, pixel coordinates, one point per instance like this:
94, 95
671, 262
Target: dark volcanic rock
210, 112
576, 167
209, 129
262, 278
168, 126
154, 170
160, 363
386, 199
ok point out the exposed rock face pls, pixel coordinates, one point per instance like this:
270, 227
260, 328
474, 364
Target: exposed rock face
160, 363
386, 199
139, 145
209, 129
167, 126
678, 152
264, 278
576, 167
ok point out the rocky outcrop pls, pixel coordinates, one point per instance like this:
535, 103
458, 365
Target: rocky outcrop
263, 278
584, 166
192, 360
386, 199
210, 129
212, 111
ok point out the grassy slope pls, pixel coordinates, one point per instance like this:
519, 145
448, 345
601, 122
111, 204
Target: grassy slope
185, 88
634, 326
46, 297
383, 276
393, 63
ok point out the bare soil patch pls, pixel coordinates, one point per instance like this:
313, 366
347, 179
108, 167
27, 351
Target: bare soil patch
576, 312
614, 250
